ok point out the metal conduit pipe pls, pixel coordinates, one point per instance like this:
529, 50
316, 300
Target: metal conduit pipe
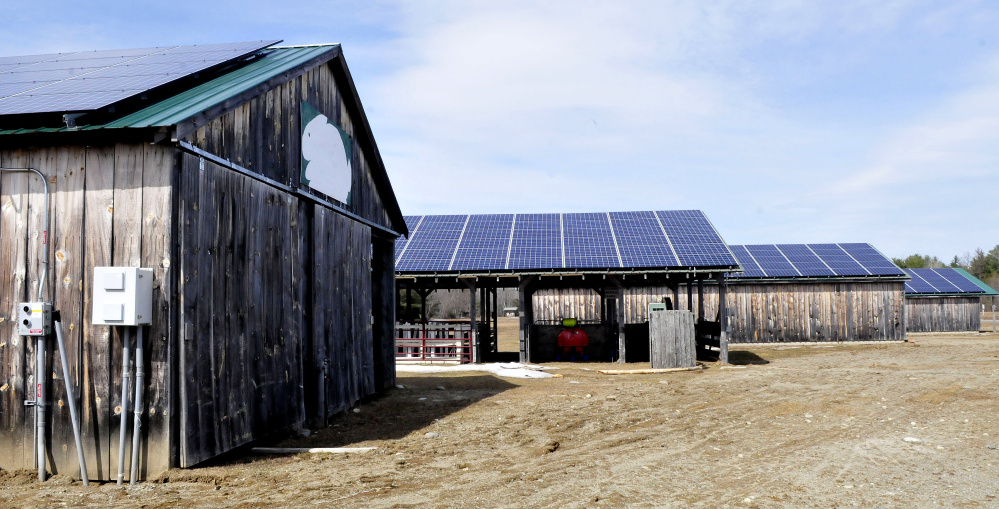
40, 340
137, 405
72, 401
45, 226
123, 431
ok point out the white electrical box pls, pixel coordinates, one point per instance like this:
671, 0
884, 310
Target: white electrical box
34, 319
123, 296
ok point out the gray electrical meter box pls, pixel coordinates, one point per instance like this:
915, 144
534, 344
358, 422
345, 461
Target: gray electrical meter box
123, 296
34, 319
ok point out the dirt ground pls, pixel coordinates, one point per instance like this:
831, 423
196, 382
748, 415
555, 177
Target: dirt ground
865, 425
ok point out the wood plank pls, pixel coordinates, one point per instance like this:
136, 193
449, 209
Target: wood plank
15, 451
95, 414
67, 213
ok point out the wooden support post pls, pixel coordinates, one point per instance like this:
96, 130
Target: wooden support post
690, 295
676, 296
622, 344
723, 318
495, 326
473, 335
408, 313
700, 300
526, 296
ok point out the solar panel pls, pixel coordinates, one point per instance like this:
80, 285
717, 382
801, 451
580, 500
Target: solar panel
641, 240
958, 280
749, 265
432, 247
485, 243
772, 261
918, 284
412, 222
694, 239
85, 81
589, 242
939, 282
872, 259
805, 260
838, 260
536, 243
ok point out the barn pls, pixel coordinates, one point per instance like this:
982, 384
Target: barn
944, 300
555, 255
786, 293
247, 178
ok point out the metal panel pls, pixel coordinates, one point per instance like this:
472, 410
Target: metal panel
536, 243
749, 265
86, 81
694, 239
805, 260
641, 240
838, 260
485, 243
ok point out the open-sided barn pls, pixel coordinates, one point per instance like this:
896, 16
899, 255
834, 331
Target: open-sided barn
944, 300
608, 254
246, 176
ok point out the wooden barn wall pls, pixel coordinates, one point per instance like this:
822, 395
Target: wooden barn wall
277, 311
761, 313
943, 314
109, 206
263, 135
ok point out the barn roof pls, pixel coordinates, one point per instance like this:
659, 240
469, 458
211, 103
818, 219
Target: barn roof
570, 243
188, 101
944, 282
799, 261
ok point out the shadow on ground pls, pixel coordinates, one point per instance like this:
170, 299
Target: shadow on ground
743, 357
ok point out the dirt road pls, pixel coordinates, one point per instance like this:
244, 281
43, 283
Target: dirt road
889, 425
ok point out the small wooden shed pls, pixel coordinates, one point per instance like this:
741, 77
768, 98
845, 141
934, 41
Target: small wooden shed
944, 300
274, 299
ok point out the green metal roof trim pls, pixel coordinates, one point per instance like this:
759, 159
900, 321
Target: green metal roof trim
188, 104
988, 289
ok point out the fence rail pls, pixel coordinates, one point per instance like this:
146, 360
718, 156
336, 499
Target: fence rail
433, 342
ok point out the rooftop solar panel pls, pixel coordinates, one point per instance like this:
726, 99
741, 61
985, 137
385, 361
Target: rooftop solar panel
772, 261
432, 247
485, 243
871, 259
957, 279
481, 243
589, 241
838, 260
944, 281
641, 240
805, 260
932, 277
536, 242
694, 239
85, 81
749, 265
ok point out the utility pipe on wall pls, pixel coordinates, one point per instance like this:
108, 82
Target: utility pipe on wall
123, 431
40, 340
137, 404
72, 401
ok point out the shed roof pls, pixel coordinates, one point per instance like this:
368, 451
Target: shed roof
945, 282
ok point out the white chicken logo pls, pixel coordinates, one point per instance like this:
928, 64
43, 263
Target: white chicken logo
325, 156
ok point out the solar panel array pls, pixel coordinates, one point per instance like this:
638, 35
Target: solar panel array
813, 260
604, 240
89, 80
941, 281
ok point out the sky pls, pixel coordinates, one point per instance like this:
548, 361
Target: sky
785, 121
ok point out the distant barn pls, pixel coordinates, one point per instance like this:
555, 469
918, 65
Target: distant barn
944, 300
247, 177
786, 293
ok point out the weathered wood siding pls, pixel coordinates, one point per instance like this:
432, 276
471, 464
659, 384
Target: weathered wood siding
762, 313
671, 339
109, 205
943, 314
263, 135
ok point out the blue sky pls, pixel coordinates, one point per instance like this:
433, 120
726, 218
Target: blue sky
785, 121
